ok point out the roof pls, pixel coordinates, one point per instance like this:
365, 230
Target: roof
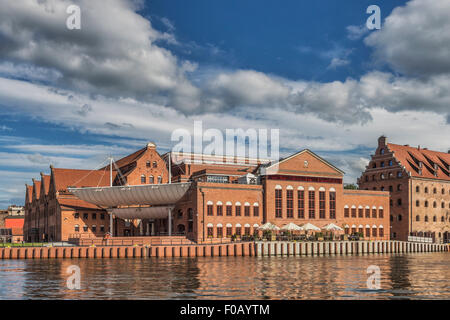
298, 153
14, 222
410, 157
128, 159
46, 181
152, 194
37, 188
64, 178
29, 194
76, 203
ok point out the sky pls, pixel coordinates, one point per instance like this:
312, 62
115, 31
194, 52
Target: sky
138, 70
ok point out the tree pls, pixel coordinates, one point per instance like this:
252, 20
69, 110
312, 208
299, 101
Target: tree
351, 186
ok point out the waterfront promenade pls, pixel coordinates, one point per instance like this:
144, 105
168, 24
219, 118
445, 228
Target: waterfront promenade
260, 248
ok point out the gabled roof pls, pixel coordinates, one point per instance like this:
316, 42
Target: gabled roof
28, 194
37, 188
45, 180
64, 178
128, 159
267, 167
409, 157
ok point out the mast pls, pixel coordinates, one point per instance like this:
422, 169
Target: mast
110, 184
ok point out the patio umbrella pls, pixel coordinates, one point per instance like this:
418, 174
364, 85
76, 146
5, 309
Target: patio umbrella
332, 227
269, 226
291, 227
310, 227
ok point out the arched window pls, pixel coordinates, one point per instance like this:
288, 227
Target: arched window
434, 218
426, 189
301, 202
434, 190
147, 164
443, 205
155, 164
237, 209
290, 202
380, 212
367, 215
399, 217
159, 179
219, 208
426, 218
256, 209
229, 209
417, 203
238, 230
151, 179
278, 202
374, 212
210, 230
417, 218
382, 151
367, 231
442, 219
322, 203
374, 231
426, 203
360, 212
312, 203
332, 203
381, 231
353, 211
382, 176
417, 189
346, 212
143, 179
399, 187
247, 209
219, 231
434, 204
209, 208
77, 228
85, 228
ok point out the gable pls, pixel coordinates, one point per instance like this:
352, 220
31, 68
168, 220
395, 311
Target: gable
305, 163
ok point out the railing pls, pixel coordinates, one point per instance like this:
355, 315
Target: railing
420, 239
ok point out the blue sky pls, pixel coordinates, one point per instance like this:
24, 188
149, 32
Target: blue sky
137, 70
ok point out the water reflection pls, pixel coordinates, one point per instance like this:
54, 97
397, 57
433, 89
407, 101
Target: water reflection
403, 276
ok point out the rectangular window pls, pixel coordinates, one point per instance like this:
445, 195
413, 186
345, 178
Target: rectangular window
312, 204
229, 211
353, 212
380, 213
374, 212
322, 204
219, 232
229, 232
94, 216
102, 216
256, 211
290, 203
381, 232
210, 232
238, 231
367, 232
360, 212
210, 210
374, 232
367, 212
247, 211
142, 179
278, 203
238, 211
332, 205
102, 228
301, 204
77, 215
85, 216
219, 210
247, 231
346, 212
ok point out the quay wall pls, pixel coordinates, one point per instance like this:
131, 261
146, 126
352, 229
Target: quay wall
271, 248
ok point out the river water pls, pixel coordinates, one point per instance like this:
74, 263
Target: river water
403, 276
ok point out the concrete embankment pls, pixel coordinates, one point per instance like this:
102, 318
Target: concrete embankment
272, 248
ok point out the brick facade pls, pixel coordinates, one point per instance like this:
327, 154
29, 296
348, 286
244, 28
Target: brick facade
419, 185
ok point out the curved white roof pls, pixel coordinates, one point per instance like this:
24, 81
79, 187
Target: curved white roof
153, 194
141, 213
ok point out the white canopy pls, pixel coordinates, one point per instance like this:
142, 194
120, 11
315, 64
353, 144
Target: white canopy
269, 226
291, 227
141, 213
332, 227
152, 194
309, 226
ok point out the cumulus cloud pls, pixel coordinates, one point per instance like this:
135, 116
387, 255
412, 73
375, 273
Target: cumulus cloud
356, 32
415, 38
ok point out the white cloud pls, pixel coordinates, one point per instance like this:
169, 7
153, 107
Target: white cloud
415, 38
356, 32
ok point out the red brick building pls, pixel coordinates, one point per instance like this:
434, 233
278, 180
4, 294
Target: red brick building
418, 180
222, 199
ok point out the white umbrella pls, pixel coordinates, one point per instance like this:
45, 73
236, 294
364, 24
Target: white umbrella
291, 227
268, 226
309, 226
332, 227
